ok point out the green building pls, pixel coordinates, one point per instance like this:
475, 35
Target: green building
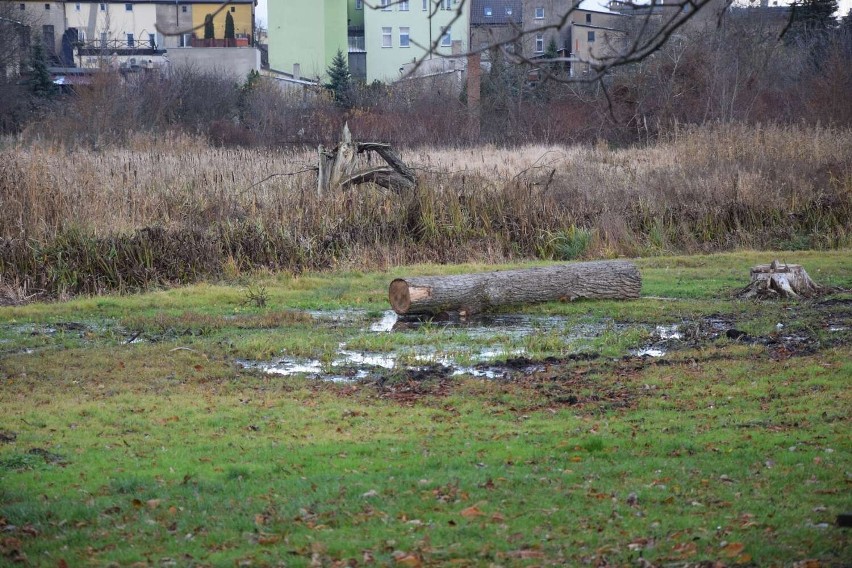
305, 36
380, 41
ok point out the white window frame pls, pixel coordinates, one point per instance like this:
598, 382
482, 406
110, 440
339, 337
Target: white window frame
128, 6
404, 36
448, 4
77, 7
130, 40
508, 10
359, 4
489, 12
387, 37
102, 7
404, 5
446, 37
539, 43
425, 5
590, 36
588, 18
539, 12
386, 5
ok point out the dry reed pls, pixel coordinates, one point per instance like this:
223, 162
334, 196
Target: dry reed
174, 209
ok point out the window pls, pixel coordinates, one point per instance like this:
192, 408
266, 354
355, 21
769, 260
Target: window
403, 6
385, 4
47, 6
359, 4
588, 18
103, 7
488, 12
591, 37
387, 38
508, 10
77, 7
446, 38
183, 9
152, 41
103, 39
128, 7
539, 12
130, 41
22, 6
234, 9
539, 43
425, 5
404, 37
448, 4
81, 35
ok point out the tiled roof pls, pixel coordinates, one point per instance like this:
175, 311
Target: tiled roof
503, 12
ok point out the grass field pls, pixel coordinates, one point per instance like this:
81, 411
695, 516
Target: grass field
137, 430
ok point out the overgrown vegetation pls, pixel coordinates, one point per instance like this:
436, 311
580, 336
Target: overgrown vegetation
76, 221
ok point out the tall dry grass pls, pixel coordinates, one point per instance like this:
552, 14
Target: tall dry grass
174, 209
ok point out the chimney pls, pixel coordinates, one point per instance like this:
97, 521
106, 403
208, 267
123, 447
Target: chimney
297, 71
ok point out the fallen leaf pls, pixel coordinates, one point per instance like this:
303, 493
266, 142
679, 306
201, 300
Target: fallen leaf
137, 503
154, 503
406, 558
471, 512
525, 553
685, 549
733, 549
267, 539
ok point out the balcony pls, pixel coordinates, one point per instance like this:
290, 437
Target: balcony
357, 44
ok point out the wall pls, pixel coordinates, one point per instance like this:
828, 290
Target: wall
173, 19
242, 13
306, 32
115, 20
35, 15
234, 62
383, 63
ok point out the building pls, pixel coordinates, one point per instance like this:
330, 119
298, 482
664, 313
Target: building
47, 22
399, 33
305, 36
495, 23
380, 39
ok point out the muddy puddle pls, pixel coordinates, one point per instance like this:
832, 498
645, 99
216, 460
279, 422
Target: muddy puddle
456, 355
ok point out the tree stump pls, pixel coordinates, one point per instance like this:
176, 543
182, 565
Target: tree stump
469, 294
338, 168
777, 280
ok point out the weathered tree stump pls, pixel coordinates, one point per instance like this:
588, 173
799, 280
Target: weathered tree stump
474, 293
338, 168
777, 280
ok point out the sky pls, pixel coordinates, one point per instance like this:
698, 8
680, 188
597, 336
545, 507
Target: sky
845, 5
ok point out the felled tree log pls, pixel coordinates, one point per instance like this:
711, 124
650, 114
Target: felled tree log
777, 280
474, 293
338, 168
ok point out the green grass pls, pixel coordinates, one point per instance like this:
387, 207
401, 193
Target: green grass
168, 451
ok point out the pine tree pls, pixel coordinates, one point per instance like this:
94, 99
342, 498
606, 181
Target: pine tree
229, 26
340, 81
813, 17
209, 29
40, 82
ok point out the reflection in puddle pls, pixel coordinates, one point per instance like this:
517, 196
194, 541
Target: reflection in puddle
650, 352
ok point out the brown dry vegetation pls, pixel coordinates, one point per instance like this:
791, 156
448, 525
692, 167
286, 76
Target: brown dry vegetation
73, 220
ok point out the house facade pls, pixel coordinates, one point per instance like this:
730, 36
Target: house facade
400, 33
305, 36
381, 36
47, 22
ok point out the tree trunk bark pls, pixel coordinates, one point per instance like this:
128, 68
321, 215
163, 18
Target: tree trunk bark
778, 280
473, 293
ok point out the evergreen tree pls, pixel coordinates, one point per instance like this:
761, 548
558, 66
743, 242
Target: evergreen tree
340, 80
551, 53
40, 82
209, 29
229, 26
813, 17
